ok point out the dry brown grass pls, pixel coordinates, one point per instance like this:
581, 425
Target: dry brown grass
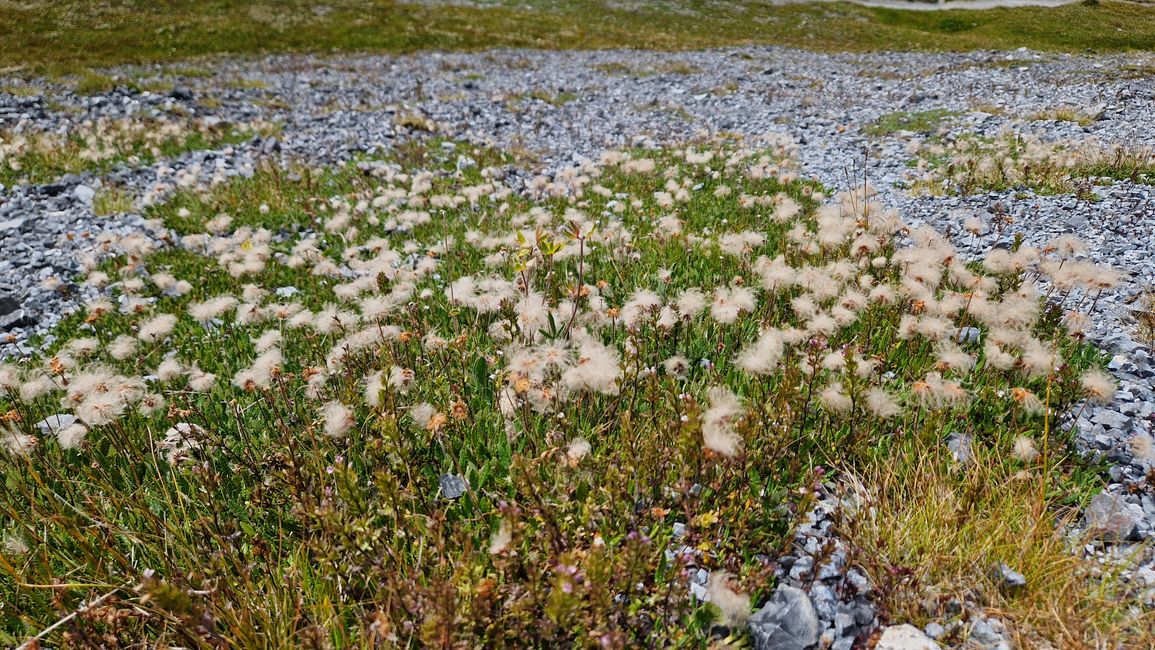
930, 531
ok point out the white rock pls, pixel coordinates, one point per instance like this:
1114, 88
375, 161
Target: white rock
84, 193
905, 637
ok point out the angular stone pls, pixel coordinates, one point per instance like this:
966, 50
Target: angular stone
1007, 577
12, 314
787, 622
968, 335
53, 423
84, 193
11, 224
959, 445
1112, 419
452, 486
905, 637
1112, 517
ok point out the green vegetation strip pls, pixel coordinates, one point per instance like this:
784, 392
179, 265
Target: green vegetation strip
69, 35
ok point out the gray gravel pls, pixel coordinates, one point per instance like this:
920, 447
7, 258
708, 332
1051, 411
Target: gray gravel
335, 108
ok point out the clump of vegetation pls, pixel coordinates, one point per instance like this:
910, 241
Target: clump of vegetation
933, 530
1145, 317
408, 402
96, 145
557, 100
1065, 114
614, 68
244, 83
925, 122
110, 201
92, 83
972, 164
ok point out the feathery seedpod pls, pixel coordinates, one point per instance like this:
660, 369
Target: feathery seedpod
728, 303
157, 328
677, 367
776, 274
643, 305
401, 379
1143, 447
690, 303
1028, 400
100, 409
996, 357
576, 450
269, 340
1039, 359
934, 392
84, 347
763, 356
374, 387
422, 414
169, 370
881, 403
179, 440
1024, 450
207, 311
1098, 385
122, 347
9, 377
200, 381
98, 307
501, 538
261, 373
597, 370
834, 361
952, 357
719, 422
835, 399
15, 443
71, 436
338, 419
974, 225
37, 387
734, 607
150, 404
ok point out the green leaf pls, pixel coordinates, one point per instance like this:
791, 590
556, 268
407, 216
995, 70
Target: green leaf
481, 379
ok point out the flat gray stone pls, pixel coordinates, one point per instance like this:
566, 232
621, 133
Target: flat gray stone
787, 622
452, 486
53, 423
1112, 518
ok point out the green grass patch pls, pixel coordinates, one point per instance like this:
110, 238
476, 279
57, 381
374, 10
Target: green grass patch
556, 100
1012, 162
36, 157
71, 35
92, 83
925, 122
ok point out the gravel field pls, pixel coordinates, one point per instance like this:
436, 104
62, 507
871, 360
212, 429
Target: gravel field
562, 107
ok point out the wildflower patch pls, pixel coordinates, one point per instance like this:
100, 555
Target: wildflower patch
625, 371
